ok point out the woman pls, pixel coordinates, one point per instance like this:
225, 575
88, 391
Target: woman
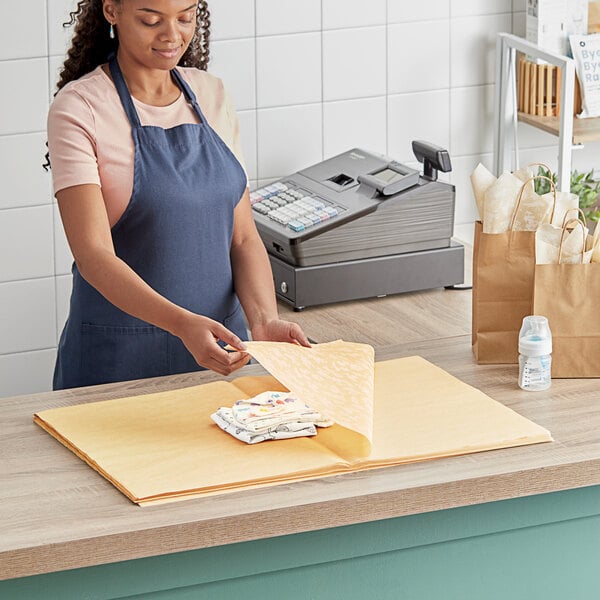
153, 201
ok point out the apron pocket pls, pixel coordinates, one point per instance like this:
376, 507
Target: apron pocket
112, 354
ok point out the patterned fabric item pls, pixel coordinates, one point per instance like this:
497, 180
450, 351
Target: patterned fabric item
335, 378
269, 416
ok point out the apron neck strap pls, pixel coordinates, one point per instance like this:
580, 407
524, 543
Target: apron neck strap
187, 91
123, 92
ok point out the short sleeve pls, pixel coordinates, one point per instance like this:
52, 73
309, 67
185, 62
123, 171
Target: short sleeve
72, 141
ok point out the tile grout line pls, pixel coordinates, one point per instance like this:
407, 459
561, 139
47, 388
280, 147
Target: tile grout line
50, 89
322, 87
387, 78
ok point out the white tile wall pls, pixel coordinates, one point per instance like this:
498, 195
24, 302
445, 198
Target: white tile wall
471, 112
59, 36
287, 16
37, 367
462, 167
298, 130
473, 48
26, 243
18, 41
430, 115
584, 158
424, 10
354, 123
234, 62
288, 69
28, 318
532, 137
352, 70
24, 98
463, 8
353, 13
224, 27
549, 157
309, 79
55, 64
418, 56
24, 181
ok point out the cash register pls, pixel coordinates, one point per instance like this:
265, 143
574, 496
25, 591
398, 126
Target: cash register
360, 225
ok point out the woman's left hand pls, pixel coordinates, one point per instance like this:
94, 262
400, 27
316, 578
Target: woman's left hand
277, 330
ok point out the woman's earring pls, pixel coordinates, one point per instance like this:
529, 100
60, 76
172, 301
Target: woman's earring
111, 32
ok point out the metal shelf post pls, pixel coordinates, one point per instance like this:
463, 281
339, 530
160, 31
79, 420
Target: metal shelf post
505, 109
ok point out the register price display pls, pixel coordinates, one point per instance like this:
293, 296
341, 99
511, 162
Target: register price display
388, 175
392, 179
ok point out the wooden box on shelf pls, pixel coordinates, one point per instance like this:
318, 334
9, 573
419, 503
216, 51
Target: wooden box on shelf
538, 89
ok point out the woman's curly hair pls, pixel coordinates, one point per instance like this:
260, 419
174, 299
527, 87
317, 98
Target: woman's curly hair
92, 45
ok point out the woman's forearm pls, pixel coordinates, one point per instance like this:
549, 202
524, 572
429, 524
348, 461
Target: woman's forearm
121, 286
253, 281
87, 227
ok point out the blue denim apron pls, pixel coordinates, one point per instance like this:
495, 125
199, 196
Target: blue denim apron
176, 235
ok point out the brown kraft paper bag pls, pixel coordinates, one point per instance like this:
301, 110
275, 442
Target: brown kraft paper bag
567, 295
503, 271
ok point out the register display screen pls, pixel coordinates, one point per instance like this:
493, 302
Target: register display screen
388, 175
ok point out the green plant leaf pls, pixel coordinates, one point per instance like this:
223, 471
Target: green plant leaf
582, 184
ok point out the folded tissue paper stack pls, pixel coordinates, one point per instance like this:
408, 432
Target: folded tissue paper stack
269, 416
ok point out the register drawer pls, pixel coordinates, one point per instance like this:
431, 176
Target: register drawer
367, 278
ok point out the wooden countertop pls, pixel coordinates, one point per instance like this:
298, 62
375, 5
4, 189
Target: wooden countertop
56, 513
411, 317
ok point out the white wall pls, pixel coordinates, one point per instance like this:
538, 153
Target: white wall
309, 79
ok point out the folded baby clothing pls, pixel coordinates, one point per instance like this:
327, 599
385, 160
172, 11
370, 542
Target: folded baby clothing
269, 416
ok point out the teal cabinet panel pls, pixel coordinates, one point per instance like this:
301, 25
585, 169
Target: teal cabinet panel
527, 564
545, 546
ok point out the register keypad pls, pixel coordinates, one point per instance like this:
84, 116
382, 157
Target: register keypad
291, 207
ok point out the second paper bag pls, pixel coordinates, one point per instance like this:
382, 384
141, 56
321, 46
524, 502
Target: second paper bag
568, 296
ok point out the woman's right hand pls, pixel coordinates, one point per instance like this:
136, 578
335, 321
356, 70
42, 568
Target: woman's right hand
200, 336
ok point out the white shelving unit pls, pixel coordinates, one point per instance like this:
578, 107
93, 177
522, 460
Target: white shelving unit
568, 129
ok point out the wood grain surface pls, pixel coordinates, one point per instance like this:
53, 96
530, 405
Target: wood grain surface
410, 317
56, 513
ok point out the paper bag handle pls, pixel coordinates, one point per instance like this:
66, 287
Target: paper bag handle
562, 238
581, 216
516, 210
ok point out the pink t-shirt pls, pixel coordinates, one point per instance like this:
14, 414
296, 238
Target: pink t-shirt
89, 135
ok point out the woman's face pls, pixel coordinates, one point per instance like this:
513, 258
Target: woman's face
152, 33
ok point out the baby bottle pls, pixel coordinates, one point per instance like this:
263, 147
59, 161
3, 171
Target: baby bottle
535, 349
